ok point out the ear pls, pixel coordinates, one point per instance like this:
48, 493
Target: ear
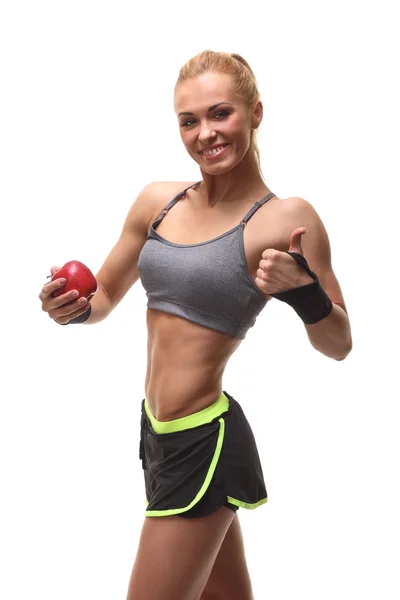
257, 115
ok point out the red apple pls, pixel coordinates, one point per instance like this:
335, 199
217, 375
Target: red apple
78, 277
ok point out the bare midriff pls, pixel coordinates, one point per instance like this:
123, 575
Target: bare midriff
185, 365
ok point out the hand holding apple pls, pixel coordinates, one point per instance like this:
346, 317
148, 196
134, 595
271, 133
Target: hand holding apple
66, 296
78, 277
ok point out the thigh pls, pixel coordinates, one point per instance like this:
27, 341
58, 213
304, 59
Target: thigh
229, 577
175, 556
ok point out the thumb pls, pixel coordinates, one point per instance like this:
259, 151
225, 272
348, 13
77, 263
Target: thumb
52, 271
295, 240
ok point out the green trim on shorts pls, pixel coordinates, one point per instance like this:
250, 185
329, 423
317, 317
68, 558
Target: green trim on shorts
245, 504
199, 418
210, 473
237, 503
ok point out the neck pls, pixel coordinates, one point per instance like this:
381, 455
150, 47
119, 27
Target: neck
241, 182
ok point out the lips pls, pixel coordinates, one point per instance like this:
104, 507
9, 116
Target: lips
216, 146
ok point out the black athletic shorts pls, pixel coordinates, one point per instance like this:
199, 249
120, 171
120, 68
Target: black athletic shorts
195, 464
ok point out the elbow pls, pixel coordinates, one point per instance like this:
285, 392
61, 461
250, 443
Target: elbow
346, 353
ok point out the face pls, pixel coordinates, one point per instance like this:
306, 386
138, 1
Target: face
213, 117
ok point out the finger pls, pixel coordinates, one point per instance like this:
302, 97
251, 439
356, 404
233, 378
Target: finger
69, 311
52, 271
295, 240
262, 285
265, 265
62, 300
50, 287
270, 254
262, 275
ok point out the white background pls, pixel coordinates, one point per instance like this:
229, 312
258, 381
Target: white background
87, 121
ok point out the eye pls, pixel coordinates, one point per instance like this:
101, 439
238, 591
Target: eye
221, 113
224, 113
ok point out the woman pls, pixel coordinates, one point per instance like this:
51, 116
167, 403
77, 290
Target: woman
210, 255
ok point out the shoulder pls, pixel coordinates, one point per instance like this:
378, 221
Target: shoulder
164, 189
298, 208
295, 212
158, 192
155, 196
298, 212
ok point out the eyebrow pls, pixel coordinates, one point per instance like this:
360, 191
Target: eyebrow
209, 110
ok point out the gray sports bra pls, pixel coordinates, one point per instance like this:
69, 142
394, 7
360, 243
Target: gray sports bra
207, 283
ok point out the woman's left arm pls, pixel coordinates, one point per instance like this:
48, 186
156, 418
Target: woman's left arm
332, 335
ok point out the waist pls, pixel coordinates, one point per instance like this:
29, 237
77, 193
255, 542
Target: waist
185, 365
200, 417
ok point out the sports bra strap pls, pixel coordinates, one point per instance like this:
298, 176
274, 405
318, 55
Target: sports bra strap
256, 207
175, 199
244, 220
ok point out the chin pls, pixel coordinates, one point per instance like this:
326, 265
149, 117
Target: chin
218, 170
212, 169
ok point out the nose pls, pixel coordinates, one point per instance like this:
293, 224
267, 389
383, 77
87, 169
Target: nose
206, 133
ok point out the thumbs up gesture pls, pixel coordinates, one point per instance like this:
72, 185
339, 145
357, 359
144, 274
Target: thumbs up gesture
278, 271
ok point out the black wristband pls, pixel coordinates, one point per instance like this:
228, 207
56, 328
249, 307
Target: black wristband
310, 301
80, 319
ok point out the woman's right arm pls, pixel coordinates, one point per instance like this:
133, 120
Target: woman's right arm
118, 272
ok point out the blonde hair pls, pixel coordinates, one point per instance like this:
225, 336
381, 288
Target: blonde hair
229, 64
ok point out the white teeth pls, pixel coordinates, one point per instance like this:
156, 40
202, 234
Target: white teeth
214, 151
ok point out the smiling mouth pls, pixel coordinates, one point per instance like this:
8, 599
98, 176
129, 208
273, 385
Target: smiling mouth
214, 152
